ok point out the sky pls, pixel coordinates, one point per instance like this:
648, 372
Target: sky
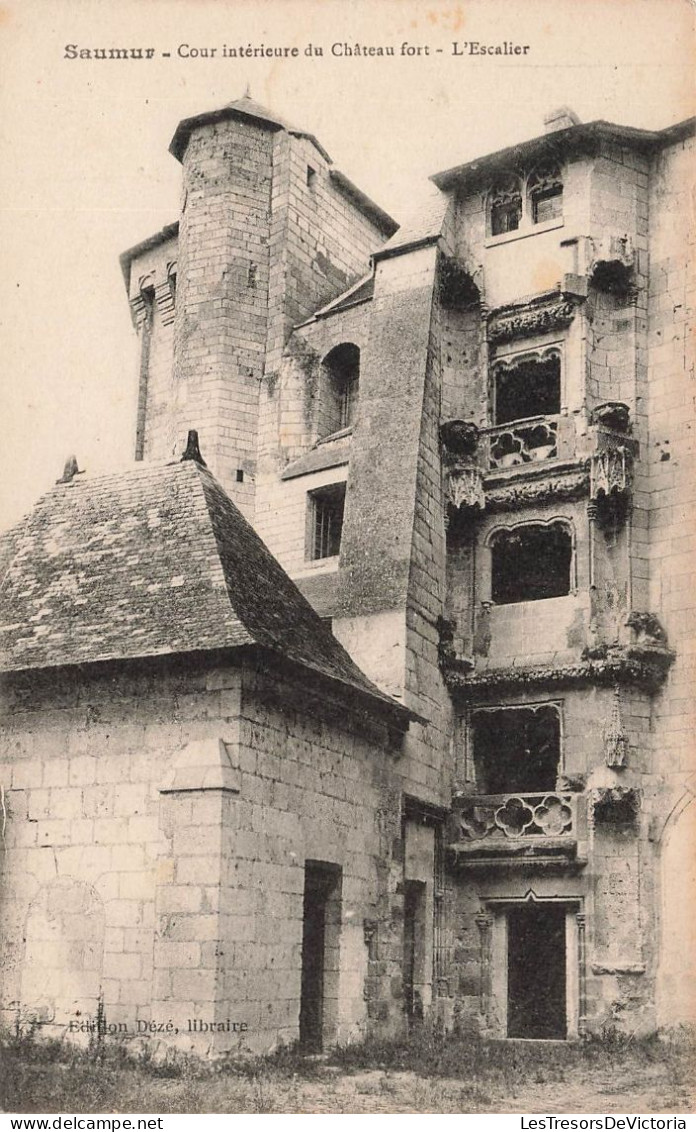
86, 171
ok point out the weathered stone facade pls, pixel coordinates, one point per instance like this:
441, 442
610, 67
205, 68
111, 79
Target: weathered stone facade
471, 447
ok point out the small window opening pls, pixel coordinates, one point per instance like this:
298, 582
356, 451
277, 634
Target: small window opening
506, 208
311, 178
545, 187
517, 750
547, 205
530, 387
326, 521
240, 475
342, 369
531, 563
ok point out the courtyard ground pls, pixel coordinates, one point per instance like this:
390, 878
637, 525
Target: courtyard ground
427, 1074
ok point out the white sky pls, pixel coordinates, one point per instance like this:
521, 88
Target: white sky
87, 173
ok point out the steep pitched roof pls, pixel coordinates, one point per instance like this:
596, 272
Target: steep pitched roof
153, 561
422, 226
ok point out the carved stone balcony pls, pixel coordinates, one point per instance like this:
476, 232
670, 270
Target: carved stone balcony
545, 827
522, 442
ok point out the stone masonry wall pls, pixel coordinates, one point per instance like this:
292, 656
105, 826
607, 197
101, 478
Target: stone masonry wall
152, 300
672, 491
142, 870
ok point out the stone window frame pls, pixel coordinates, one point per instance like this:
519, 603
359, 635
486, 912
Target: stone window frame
545, 178
506, 192
486, 581
318, 496
532, 705
516, 356
346, 398
544, 182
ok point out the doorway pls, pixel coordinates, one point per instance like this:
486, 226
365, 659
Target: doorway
414, 924
321, 920
536, 971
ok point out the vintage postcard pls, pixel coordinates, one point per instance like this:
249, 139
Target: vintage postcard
347, 605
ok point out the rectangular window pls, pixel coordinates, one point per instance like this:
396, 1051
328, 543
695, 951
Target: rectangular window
326, 521
529, 386
547, 204
516, 749
505, 217
531, 562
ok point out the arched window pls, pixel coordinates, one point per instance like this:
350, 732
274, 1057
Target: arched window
531, 562
545, 194
505, 206
342, 371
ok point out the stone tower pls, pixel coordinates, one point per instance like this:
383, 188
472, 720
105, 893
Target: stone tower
269, 230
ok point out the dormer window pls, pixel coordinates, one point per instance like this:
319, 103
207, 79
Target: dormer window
505, 207
545, 194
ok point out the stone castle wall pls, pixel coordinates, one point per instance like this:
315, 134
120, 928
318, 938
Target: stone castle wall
158, 823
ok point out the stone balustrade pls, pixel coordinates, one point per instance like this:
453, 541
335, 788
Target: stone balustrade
493, 825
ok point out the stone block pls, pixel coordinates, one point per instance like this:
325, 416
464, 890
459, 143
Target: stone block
179, 898
82, 770
137, 886
121, 965
177, 954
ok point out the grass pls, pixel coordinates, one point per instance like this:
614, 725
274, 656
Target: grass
429, 1072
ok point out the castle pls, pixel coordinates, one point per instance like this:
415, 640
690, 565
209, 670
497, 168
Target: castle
366, 695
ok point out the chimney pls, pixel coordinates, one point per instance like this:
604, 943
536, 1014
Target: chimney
560, 119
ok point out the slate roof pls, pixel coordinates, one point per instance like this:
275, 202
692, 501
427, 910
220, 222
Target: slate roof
153, 561
557, 142
423, 226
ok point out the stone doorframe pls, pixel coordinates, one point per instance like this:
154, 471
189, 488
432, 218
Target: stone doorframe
492, 925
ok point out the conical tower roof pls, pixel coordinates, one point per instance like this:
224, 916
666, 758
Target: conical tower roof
244, 107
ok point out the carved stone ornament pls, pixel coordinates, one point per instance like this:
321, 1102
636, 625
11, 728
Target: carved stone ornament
515, 444
544, 179
618, 805
610, 483
535, 492
615, 741
614, 415
465, 488
648, 631
456, 286
644, 668
459, 438
612, 265
525, 321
